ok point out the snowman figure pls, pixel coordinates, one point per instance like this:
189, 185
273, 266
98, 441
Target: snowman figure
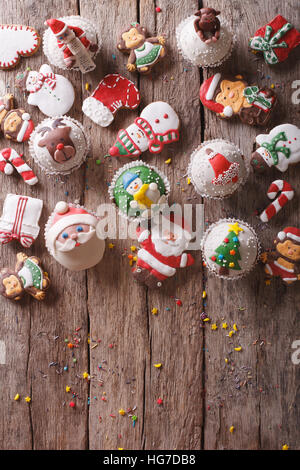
52, 93
144, 195
157, 126
279, 148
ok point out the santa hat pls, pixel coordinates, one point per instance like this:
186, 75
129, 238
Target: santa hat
124, 146
290, 232
58, 27
207, 92
172, 219
26, 128
65, 215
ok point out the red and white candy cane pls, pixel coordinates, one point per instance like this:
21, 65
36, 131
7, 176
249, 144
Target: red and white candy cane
9, 158
287, 194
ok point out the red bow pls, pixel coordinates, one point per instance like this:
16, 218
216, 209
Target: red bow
7, 237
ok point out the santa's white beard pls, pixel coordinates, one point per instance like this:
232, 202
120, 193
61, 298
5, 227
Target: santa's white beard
70, 244
169, 247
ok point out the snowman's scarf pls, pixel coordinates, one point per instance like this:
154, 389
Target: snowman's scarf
156, 141
274, 150
49, 78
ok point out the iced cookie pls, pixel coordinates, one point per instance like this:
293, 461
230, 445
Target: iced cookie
28, 276
71, 42
275, 40
279, 148
217, 169
284, 262
17, 41
16, 124
232, 96
203, 40
71, 237
230, 248
20, 219
144, 52
59, 145
136, 187
114, 92
10, 159
157, 126
52, 93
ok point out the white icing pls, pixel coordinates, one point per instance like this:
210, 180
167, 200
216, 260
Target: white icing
97, 112
156, 111
16, 40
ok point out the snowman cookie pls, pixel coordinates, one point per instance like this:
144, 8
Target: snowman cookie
279, 148
17, 41
136, 187
52, 93
157, 126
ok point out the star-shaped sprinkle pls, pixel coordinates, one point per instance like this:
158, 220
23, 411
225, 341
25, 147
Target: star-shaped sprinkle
235, 228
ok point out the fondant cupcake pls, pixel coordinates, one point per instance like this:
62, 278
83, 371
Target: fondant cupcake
136, 187
71, 237
217, 169
230, 248
59, 145
203, 40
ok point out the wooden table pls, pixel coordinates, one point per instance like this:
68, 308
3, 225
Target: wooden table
257, 392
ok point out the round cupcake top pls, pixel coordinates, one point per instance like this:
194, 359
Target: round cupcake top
217, 168
199, 52
137, 186
230, 248
59, 145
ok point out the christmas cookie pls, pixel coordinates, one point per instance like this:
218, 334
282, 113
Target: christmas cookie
20, 219
59, 145
17, 41
203, 40
28, 276
162, 249
217, 169
71, 42
230, 248
231, 96
144, 52
16, 124
136, 187
113, 92
275, 40
52, 93
71, 237
279, 148
284, 262
10, 159
283, 192
157, 126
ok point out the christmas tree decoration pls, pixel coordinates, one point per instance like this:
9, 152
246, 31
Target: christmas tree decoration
71, 42
10, 159
28, 276
217, 169
19, 220
230, 248
114, 92
275, 40
284, 262
279, 148
52, 93
136, 187
283, 192
157, 126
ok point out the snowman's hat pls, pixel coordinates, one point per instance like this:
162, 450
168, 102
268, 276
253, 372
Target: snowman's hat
207, 92
124, 146
128, 178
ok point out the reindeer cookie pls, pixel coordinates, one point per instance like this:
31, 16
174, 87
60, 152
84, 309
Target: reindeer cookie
28, 276
16, 124
144, 52
59, 145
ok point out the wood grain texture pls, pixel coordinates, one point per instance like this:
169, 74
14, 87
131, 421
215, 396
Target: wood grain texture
258, 391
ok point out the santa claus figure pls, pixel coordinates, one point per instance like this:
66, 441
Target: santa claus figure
162, 250
71, 237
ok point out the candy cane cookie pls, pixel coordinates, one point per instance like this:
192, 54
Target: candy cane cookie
285, 193
9, 158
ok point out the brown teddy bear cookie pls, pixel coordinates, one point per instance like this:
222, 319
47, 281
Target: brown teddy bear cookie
15, 123
144, 52
285, 261
28, 276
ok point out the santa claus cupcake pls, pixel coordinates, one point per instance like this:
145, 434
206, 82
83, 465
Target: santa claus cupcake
71, 237
136, 187
230, 248
203, 40
217, 169
59, 145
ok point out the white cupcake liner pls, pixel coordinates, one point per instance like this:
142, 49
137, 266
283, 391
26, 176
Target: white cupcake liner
121, 170
246, 271
54, 54
56, 172
189, 170
214, 64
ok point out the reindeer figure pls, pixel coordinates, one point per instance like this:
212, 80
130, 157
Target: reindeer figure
58, 141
